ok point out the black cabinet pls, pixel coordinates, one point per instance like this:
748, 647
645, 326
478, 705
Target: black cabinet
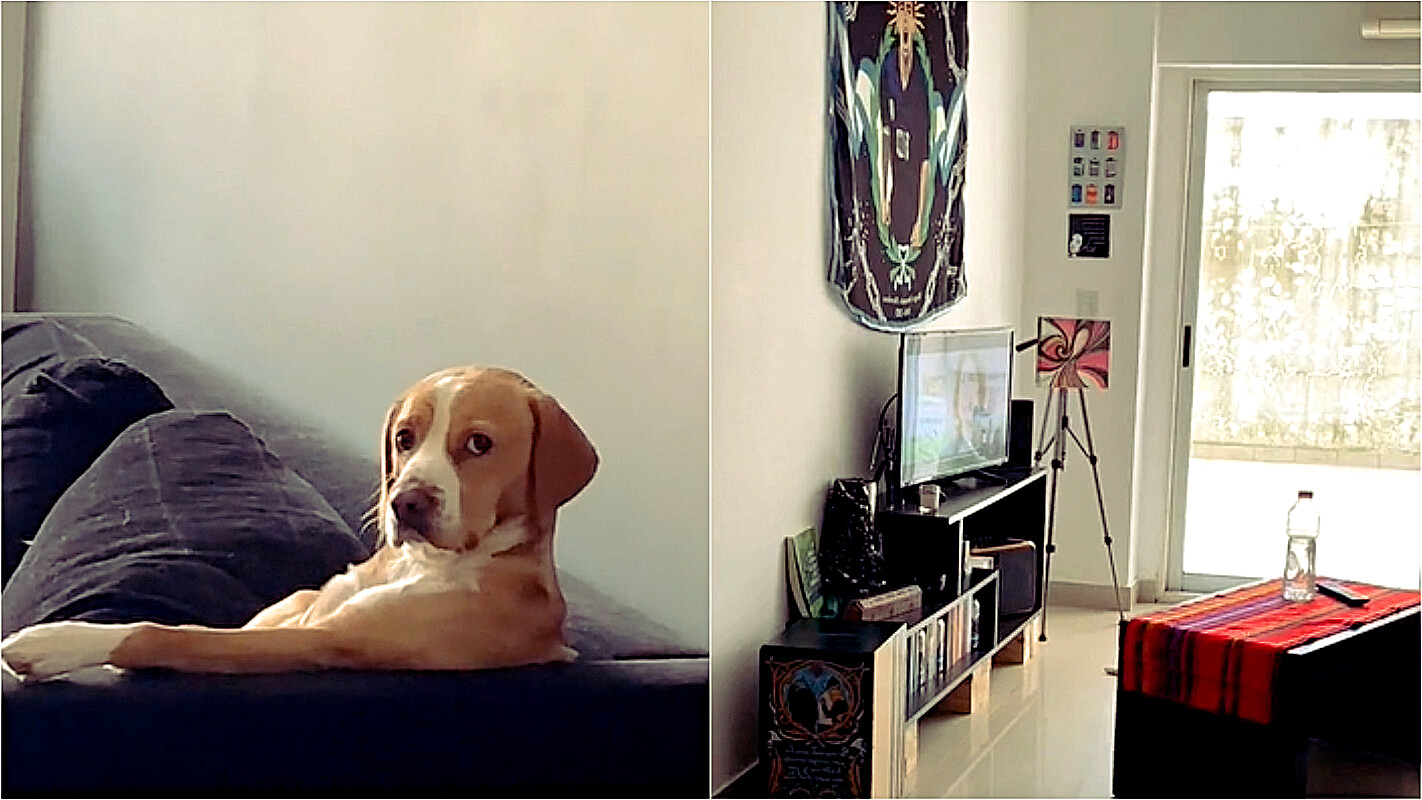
932, 549
831, 709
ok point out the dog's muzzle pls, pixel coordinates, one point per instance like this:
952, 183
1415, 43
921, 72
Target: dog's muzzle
416, 511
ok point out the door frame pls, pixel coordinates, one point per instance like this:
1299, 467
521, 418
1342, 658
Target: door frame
1192, 86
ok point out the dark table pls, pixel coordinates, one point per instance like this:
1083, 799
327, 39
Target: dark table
1345, 719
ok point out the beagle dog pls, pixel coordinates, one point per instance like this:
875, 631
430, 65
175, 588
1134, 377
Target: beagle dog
474, 465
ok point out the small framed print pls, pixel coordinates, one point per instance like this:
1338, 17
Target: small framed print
1097, 163
1089, 236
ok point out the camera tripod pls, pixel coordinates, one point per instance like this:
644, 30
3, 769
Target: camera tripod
1058, 445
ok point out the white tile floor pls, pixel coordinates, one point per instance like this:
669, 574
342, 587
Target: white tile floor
1048, 726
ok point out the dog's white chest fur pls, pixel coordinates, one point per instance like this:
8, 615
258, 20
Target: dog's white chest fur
418, 568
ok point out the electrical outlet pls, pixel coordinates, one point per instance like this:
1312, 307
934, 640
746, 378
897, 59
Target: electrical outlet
1087, 303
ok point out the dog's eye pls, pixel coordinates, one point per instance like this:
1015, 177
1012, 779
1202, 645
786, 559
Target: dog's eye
479, 444
404, 439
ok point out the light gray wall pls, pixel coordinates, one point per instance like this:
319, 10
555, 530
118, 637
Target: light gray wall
796, 385
331, 200
1260, 33
12, 31
1090, 64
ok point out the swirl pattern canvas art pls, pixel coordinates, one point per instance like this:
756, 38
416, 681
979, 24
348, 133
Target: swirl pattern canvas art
1073, 353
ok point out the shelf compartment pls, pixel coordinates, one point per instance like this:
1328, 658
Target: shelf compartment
928, 685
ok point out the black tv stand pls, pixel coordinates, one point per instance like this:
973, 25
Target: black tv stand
927, 547
932, 551
941, 656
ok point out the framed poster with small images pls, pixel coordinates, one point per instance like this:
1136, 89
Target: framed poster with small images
1096, 166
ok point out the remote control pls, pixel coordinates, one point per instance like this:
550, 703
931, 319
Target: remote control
1342, 593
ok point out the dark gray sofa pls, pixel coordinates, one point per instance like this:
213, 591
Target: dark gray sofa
628, 718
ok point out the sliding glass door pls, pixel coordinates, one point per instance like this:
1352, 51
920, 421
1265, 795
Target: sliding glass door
1303, 284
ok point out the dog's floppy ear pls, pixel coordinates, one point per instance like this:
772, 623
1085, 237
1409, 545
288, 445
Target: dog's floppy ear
387, 463
562, 461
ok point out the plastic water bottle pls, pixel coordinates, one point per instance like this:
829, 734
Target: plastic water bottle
1300, 565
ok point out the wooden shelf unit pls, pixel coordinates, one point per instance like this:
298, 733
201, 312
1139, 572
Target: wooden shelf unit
883, 660
931, 550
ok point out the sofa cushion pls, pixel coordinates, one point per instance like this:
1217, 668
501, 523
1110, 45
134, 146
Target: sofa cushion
602, 628
345, 474
67, 415
35, 344
185, 518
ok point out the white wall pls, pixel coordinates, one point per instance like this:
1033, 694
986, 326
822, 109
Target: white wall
1260, 33
1090, 64
796, 385
332, 200
12, 30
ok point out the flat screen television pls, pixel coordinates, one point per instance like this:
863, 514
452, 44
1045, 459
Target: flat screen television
955, 401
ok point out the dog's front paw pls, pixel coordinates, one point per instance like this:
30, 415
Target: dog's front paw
46, 651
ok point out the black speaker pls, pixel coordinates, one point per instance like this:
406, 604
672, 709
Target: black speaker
1019, 439
1017, 568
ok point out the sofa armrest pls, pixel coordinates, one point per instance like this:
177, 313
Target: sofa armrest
625, 728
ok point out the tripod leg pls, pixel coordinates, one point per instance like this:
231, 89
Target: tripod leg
1090, 451
1051, 530
1058, 464
1043, 443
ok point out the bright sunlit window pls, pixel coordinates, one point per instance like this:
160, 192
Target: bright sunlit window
1308, 374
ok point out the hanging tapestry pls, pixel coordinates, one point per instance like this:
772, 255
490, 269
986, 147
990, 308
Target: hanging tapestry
898, 139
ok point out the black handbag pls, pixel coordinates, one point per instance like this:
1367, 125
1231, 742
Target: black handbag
851, 549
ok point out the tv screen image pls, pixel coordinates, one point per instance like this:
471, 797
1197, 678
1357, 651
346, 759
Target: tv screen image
955, 394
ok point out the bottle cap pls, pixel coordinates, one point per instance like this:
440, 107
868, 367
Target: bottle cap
1305, 494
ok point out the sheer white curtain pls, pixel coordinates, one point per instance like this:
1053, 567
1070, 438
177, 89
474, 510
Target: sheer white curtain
1310, 310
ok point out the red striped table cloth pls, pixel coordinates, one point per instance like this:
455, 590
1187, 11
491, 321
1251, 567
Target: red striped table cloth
1221, 653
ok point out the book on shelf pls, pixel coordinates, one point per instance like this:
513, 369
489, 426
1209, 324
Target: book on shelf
935, 651
974, 624
941, 653
965, 628
947, 621
954, 621
968, 627
954, 639
802, 563
914, 657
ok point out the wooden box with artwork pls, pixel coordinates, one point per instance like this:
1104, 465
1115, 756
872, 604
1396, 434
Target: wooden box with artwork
832, 709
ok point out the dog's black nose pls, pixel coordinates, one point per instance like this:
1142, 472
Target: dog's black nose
416, 508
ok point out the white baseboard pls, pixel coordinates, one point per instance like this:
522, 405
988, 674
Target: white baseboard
1089, 595
1149, 590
